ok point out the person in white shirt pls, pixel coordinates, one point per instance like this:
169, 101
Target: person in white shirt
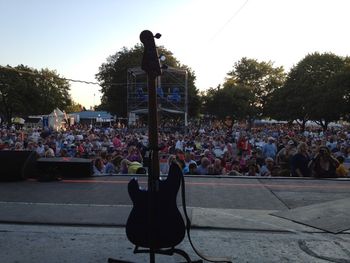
40, 149
179, 144
48, 152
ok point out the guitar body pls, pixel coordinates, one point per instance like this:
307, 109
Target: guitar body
167, 228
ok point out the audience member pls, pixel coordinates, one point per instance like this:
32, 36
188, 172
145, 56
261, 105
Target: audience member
324, 165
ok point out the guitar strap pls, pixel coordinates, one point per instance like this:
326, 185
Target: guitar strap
188, 229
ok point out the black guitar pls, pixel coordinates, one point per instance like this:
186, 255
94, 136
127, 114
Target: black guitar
155, 221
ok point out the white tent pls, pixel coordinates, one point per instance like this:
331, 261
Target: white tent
56, 119
17, 120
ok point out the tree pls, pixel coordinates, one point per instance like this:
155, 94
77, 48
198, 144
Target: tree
341, 86
26, 91
54, 92
211, 102
8, 82
311, 90
259, 80
74, 107
230, 100
112, 77
282, 106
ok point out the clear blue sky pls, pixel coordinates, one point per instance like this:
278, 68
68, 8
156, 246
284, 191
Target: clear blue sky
75, 37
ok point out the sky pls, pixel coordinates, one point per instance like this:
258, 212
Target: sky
74, 37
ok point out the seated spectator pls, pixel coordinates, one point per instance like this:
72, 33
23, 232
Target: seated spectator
217, 168
117, 143
210, 170
209, 155
128, 167
30, 146
243, 167
72, 150
324, 165
203, 167
252, 170
134, 154
49, 152
63, 153
235, 169
284, 157
192, 169
257, 154
109, 166
98, 167
252, 161
40, 149
300, 161
189, 158
268, 169
219, 151
124, 166
18, 146
116, 161
79, 149
269, 149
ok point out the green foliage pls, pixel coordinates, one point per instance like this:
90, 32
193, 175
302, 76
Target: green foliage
74, 107
340, 84
25, 91
312, 89
228, 101
246, 91
112, 76
260, 79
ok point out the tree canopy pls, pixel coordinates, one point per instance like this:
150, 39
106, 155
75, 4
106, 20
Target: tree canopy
246, 90
313, 88
317, 88
26, 91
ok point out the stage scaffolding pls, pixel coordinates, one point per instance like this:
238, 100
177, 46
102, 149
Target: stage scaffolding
172, 93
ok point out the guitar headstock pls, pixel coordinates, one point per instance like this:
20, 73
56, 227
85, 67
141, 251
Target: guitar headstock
150, 60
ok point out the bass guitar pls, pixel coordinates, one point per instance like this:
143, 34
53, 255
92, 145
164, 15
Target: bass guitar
155, 221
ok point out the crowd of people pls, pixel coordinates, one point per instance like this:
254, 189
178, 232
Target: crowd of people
203, 148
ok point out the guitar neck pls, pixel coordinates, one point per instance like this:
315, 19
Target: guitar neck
153, 177
151, 65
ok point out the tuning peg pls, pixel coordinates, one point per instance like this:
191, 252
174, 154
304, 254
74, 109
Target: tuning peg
157, 36
162, 57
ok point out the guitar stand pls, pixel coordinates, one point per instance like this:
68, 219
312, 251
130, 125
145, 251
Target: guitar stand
167, 252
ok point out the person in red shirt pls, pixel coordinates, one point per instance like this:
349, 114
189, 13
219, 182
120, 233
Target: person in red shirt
117, 143
243, 145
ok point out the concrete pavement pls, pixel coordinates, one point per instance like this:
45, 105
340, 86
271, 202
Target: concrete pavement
57, 244
66, 230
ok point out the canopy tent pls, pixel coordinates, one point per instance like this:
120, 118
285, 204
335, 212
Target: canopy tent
18, 120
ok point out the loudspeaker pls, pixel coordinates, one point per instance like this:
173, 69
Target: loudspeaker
65, 167
17, 165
